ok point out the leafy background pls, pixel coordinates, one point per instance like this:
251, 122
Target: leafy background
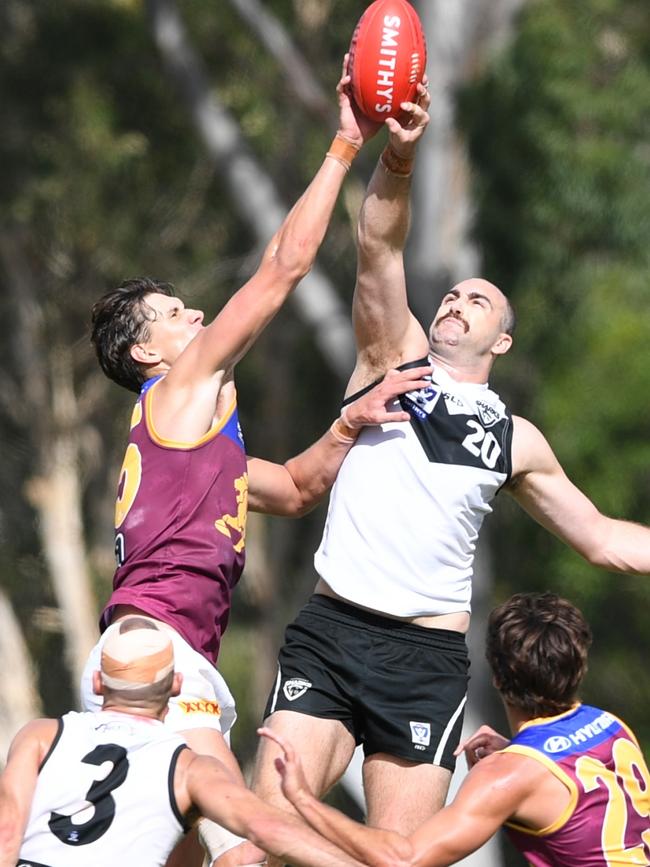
105, 175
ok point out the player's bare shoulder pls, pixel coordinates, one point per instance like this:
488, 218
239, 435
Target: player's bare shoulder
506, 777
531, 451
183, 409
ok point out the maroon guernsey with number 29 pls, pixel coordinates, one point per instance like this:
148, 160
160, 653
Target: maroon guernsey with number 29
180, 524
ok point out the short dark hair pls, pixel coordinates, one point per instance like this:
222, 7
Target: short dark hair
509, 318
120, 319
537, 645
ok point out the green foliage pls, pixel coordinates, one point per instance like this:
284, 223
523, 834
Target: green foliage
559, 132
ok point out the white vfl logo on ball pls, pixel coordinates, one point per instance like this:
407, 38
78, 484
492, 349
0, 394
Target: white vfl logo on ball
557, 744
421, 733
295, 687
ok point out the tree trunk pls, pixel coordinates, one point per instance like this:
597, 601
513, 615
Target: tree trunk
19, 702
56, 496
47, 407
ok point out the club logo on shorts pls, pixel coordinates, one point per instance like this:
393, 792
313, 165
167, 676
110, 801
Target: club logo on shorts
420, 733
295, 687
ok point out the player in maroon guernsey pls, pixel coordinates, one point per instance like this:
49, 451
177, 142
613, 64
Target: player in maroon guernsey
571, 788
186, 482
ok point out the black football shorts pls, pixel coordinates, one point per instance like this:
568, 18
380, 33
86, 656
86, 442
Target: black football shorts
398, 688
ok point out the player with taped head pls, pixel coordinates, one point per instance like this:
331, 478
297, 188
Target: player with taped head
117, 786
393, 589
571, 787
186, 482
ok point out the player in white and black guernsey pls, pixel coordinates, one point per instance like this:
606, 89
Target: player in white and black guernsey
378, 655
100, 816
422, 489
117, 787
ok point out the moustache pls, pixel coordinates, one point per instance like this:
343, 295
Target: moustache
457, 318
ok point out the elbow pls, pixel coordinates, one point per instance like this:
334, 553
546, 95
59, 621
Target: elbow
608, 549
293, 259
369, 246
305, 504
611, 561
297, 508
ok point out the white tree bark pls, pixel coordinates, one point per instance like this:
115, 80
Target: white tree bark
44, 402
19, 702
56, 495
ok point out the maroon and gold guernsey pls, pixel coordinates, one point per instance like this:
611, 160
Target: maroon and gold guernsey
180, 525
607, 820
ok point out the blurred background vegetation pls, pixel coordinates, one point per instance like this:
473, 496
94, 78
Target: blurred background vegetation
535, 172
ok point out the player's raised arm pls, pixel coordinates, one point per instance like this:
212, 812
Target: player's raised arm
386, 331
17, 784
543, 489
287, 258
295, 487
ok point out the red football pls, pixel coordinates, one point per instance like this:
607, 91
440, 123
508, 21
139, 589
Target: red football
388, 56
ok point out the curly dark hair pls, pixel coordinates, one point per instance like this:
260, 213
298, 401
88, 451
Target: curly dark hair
121, 319
537, 645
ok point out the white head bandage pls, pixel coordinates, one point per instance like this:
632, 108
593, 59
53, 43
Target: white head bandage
136, 657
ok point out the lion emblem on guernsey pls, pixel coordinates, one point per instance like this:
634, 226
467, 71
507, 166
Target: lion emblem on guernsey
235, 525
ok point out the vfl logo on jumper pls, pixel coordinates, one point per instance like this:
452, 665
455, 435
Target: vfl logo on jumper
295, 687
488, 414
420, 734
422, 402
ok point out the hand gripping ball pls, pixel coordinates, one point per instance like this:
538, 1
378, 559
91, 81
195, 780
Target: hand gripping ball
388, 56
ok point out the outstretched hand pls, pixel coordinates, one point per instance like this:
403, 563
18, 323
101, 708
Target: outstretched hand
289, 766
371, 407
481, 744
405, 132
353, 124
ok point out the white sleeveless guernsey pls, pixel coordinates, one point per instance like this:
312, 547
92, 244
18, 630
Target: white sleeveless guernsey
408, 503
104, 795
